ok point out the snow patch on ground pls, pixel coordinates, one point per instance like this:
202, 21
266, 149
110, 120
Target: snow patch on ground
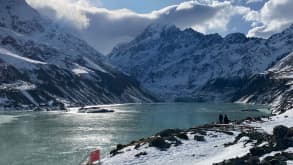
268, 124
80, 70
237, 150
190, 152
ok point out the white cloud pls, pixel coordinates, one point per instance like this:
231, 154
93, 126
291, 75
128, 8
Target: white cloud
103, 28
275, 16
66, 11
253, 1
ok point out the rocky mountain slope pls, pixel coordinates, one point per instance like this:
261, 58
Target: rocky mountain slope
185, 65
274, 86
40, 64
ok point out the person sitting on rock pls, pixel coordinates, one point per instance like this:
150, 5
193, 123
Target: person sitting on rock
226, 120
220, 118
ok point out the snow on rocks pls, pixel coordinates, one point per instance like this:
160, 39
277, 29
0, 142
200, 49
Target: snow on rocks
268, 124
249, 142
189, 152
78, 70
18, 85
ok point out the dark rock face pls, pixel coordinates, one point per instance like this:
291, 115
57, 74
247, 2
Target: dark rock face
119, 146
273, 86
182, 136
140, 154
259, 151
159, 143
282, 137
117, 150
199, 138
280, 132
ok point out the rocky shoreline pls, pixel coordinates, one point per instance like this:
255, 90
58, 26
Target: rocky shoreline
260, 142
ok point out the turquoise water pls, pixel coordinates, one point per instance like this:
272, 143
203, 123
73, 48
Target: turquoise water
58, 138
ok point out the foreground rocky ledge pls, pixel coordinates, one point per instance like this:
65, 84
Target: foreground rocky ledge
252, 141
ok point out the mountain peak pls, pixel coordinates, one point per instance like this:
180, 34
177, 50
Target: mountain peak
154, 31
236, 38
158, 28
197, 64
192, 32
12, 2
20, 17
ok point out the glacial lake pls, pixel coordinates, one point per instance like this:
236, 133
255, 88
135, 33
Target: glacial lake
59, 138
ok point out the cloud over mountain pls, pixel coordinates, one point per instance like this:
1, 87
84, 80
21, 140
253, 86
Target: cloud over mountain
275, 16
104, 28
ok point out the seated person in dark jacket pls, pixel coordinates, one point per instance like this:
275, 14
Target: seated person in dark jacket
226, 120
220, 118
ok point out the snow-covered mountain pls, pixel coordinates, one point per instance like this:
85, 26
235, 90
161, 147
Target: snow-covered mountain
186, 65
42, 64
274, 86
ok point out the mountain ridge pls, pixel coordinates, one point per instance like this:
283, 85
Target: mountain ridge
273, 87
188, 65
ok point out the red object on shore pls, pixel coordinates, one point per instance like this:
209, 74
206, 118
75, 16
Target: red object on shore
95, 156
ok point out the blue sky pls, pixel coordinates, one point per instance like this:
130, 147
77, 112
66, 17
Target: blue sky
144, 6
106, 23
141, 6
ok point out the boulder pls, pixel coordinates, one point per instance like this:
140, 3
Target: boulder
168, 132
173, 140
117, 150
137, 146
280, 132
182, 136
290, 133
120, 146
259, 151
283, 137
140, 154
159, 143
199, 138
